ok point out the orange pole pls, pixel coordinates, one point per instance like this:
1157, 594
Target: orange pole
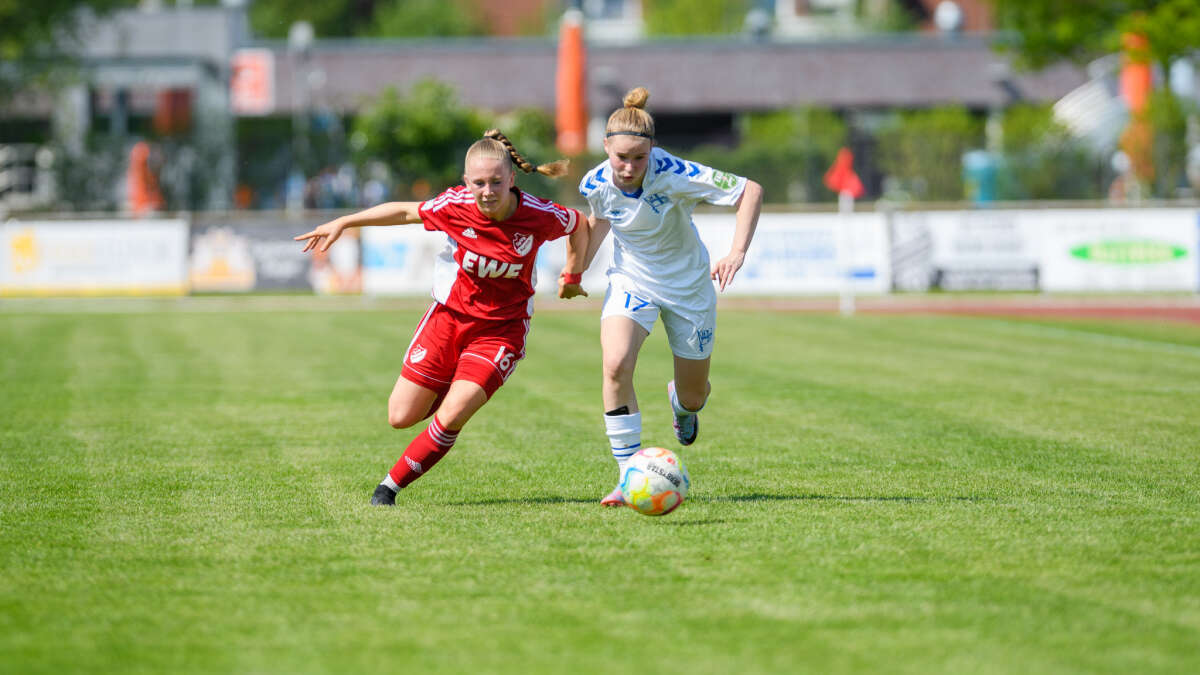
1136, 83
570, 91
1136, 77
141, 184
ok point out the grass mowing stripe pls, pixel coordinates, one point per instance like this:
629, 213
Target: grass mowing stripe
1051, 393
909, 494
1073, 334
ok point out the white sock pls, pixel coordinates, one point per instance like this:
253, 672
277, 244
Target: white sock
625, 437
387, 480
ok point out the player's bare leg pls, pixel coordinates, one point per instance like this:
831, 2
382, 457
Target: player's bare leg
688, 392
409, 403
462, 401
620, 341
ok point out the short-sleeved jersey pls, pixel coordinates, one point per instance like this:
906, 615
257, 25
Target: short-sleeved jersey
655, 242
487, 269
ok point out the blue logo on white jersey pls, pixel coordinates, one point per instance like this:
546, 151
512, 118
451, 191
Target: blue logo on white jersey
657, 201
676, 166
615, 214
592, 181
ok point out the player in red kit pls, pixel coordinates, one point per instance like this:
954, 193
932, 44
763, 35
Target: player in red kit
472, 337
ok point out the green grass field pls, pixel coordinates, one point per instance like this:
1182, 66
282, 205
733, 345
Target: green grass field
184, 486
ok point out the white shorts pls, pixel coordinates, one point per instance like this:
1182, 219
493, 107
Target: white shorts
690, 332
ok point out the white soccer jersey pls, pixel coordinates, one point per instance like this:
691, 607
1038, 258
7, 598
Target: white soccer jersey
655, 243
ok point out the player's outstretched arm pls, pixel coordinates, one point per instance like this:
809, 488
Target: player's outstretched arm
749, 206
390, 213
569, 283
599, 228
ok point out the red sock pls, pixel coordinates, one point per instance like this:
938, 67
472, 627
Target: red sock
423, 452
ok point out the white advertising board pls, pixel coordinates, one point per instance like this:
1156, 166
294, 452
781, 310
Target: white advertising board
790, 253
399, 260
805, 252
1107, 250
101, 257
964, 250
1094, 250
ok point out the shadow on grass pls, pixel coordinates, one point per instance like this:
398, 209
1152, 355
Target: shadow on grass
840, 498
526, 500
737, 498
690, 523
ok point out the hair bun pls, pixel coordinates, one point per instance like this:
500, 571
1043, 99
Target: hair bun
636, 98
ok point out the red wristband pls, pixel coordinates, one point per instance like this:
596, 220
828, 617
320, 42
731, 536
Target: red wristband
569, 278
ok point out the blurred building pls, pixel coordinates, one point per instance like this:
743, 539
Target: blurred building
198, 69
157, 71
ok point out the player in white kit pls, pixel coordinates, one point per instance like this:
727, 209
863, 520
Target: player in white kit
660, 268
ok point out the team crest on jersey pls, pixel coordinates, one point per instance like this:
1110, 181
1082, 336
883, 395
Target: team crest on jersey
657, 201
416, 354
522, 243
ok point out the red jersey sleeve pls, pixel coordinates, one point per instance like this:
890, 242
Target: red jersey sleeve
561, 220
437, 213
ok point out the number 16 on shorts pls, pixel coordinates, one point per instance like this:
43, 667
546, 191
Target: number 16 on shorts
505, 361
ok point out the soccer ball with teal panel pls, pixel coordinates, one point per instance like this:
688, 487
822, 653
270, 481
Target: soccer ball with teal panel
655, 482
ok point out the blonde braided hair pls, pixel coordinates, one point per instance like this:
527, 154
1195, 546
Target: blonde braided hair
495, 145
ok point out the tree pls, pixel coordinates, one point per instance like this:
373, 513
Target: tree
1046, 32
1168, 116
924, 149
363, 18
38, 38
1042, 160
1154, 32
695, 17
421, 136
426, 18
785, 151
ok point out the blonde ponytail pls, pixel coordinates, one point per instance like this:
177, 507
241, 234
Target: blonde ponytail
552, 169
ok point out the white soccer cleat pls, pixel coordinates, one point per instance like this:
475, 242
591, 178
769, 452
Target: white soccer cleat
686, 426
614, 498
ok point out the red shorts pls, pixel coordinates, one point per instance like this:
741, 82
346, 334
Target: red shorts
449, 346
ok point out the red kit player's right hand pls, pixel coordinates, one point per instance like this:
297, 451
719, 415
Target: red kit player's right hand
324, 236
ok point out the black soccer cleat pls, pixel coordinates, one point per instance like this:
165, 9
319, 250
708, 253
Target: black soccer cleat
383, 496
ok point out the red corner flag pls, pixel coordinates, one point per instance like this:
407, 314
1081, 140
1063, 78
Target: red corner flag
841, 177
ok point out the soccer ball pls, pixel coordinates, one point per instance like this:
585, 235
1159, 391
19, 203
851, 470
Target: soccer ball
655, 482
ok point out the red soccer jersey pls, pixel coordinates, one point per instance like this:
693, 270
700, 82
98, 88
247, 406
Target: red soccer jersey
487, 269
